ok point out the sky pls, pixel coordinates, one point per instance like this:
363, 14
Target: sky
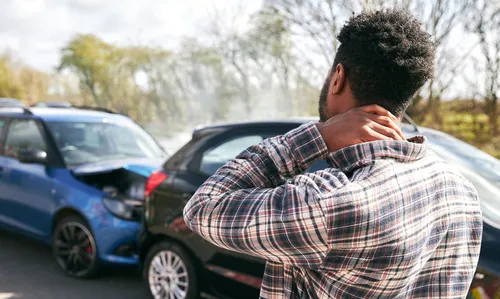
36, 30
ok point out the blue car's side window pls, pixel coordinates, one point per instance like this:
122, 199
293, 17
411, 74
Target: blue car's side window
23, 135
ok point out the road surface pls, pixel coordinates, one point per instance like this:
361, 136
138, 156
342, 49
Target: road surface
27, 271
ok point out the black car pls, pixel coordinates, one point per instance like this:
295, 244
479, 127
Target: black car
178, 262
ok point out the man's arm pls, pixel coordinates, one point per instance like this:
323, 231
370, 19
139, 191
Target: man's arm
240, 207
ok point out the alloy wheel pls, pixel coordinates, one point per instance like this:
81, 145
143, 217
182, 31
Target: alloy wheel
168, 276
75, 249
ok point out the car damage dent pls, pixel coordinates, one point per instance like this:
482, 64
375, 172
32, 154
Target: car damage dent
116, 178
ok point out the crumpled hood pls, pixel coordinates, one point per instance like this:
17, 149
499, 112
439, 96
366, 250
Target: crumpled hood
143, 167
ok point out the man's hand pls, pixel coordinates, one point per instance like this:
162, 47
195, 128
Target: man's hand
358, 125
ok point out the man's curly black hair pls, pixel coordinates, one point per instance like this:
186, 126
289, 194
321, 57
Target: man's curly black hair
387, 57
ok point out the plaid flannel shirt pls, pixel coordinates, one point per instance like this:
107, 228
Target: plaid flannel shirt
388, 220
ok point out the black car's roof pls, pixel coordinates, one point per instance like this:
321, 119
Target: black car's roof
207, 130
290, 122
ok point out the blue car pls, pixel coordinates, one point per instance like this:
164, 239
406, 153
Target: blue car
76, 179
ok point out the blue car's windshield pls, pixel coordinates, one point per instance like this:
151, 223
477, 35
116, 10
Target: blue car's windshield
90, 142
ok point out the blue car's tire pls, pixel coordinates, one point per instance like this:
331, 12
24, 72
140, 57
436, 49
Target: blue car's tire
74, 248
170, 269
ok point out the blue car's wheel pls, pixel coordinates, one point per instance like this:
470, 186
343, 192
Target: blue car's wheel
74, 248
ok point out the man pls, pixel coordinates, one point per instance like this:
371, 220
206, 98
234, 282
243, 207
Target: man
388, 219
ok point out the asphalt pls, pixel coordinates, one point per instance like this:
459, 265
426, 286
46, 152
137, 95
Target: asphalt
27, 271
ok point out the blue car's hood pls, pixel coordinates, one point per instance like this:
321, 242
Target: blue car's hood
142, 167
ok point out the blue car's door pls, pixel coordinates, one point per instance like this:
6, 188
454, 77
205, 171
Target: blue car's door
26, 188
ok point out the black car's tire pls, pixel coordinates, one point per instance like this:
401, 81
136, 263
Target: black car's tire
74, 248
179, 272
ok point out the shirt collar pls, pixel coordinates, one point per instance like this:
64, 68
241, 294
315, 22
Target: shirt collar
359, 155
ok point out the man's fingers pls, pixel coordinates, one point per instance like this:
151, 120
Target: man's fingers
372, 135
386, 131
379, 110
387, 122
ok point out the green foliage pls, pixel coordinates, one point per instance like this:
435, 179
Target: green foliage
107, 73
21, 82
466, 120
35, 85
9, 86
94, 62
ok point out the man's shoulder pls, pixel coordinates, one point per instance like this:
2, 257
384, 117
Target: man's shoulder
430, 169
450, 173
442, 165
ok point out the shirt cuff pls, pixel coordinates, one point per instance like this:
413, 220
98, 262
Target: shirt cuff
306, 145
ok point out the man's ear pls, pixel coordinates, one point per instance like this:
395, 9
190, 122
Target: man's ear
338, 79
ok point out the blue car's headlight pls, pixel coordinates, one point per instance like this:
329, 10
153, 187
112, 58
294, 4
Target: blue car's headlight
125, 209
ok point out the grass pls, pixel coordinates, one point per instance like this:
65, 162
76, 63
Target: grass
468, 123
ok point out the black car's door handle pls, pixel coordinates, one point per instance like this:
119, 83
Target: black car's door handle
186, 196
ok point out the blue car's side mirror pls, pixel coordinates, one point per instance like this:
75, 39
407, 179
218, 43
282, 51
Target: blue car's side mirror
32, 156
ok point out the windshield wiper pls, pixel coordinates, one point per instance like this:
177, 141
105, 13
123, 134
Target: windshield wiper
411, 122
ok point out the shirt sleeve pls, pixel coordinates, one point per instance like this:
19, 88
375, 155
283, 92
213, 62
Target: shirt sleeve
261, 204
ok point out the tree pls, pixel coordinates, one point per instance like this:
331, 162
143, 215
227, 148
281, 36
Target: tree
194, 81
89, 58
22, 82
440, 18
106, 73
268, 45
485, 21
35, 84
231, 45
260, 56
10, 87
314, 26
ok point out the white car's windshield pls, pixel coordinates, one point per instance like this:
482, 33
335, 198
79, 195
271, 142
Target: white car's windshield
457, 151
481, 169
90, 142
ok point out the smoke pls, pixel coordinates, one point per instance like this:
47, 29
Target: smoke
205, 109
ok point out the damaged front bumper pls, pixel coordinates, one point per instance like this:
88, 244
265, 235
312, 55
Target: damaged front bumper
116, 216
116, 238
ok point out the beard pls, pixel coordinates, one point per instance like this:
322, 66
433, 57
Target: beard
322, 109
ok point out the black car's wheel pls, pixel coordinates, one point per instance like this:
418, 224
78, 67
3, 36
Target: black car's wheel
169, 272
74, 248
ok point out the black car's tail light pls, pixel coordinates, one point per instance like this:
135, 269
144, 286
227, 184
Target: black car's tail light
154, 180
